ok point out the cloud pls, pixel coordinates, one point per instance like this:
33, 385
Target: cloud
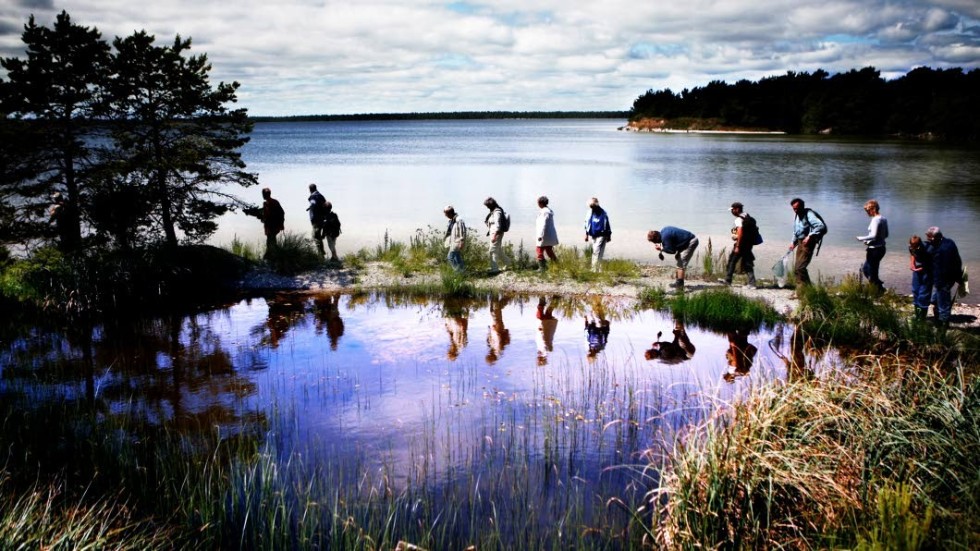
326, 56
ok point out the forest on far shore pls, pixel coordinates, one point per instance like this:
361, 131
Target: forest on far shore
924, 103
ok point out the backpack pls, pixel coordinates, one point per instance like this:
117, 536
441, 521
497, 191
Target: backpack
331, 224
504, 221
825, 227
751, 229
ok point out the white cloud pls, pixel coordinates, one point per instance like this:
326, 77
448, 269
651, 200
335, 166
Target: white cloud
307, 56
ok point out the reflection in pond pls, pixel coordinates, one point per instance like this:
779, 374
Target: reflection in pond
385, 392
740, 354
674, 351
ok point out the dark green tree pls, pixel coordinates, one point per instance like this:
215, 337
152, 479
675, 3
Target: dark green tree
50, 100
177, 137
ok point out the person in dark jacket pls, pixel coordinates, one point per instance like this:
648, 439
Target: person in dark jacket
678, 242
947, 269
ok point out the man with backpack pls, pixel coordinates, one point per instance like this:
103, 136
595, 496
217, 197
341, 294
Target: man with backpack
498, 223
318, 215
808, 231
745, 234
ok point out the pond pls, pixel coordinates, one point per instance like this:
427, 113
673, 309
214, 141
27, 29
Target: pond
539, 403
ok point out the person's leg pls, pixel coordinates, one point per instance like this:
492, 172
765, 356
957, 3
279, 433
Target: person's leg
730, 269
875, 256
332, 244
684, 258
318, 240
804, 254
270, 244
539, 256
748, 266
456, 259
921, 294
944, 302
550, 251
598, 251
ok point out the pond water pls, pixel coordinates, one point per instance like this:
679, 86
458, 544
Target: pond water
419, 392
396, 177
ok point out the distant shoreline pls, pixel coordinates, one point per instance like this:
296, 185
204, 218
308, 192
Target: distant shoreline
457, 115
691, 126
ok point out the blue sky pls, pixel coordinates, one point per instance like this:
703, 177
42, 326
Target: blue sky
371, 56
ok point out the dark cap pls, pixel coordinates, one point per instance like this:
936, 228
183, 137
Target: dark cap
737, 205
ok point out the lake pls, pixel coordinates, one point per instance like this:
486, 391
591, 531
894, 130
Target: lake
542, 404
396, 177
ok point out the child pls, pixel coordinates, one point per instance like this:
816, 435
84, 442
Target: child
919, 263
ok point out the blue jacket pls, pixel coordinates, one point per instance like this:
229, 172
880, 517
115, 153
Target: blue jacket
674, 240
597, 224
947, 266
809, 224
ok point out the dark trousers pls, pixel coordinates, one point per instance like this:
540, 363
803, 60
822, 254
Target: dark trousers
872, 262
804, 254
921, 289
748, 265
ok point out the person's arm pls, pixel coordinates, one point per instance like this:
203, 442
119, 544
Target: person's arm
872, 231
816, 225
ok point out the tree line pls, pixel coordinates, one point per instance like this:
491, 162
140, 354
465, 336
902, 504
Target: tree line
925, 102
121, 144
449, 115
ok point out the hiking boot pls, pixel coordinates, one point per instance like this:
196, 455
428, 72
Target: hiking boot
679, 284
724, 281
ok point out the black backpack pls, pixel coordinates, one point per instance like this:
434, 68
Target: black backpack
750, 229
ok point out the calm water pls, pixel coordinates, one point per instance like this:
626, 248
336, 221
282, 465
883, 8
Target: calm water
410, 386
397, 176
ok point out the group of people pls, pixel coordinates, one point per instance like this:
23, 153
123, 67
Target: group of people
935, 261
325, 222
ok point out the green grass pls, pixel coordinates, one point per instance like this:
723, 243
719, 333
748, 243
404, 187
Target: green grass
719, 309
815, 464
576, 265
294, 253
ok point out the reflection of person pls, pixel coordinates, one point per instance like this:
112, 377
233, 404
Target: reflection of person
678, 242
947, 269
495, 230
597, 334
745, 234
498, 336
920, 263
597, 227
283, 314
740, 355
875, 244
796, 365
273, 219
457, 327
546, 233
327, 310
808, 231
455, 238
547, 325
675, 351
318, 215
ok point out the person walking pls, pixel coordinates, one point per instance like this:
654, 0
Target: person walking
273, 220
318, 216
875, 244
920, 264
455, 238
678, 242
331, 229
745, 234
597, 227
808, 231
546, 233
497, 225
947, 269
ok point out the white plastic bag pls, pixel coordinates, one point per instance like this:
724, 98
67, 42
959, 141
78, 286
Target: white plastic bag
780, 270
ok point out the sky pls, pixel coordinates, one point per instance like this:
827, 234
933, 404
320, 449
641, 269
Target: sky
301, 57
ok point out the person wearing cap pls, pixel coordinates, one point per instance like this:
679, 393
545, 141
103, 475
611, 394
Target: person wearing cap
875, 244
455, 238
745, 232
597, 227
947, 269
547, 235
273, 220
